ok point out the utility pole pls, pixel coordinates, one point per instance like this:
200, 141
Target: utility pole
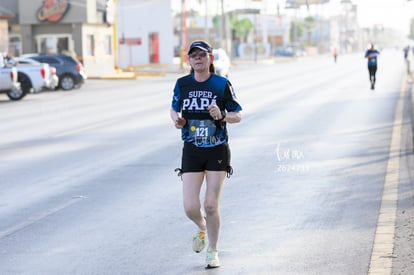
223, 36
184, 33
115, 34
206, 30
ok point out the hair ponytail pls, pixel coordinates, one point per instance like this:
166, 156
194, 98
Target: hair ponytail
212, 68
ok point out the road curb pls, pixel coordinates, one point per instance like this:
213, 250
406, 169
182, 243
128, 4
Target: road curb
114, 77
128, 76
382, 255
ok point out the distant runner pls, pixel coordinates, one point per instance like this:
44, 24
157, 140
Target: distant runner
372, 55
335, 54
408, 56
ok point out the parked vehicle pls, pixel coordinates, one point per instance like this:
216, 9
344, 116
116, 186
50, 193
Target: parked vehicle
289, 51
33, 78
8, 81
70, 72
48, 73
221, 62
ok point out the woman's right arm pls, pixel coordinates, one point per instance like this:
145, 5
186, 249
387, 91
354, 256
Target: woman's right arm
179, 122
174, 115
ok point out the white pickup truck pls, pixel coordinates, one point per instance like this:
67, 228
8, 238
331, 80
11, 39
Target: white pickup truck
8, 81
34, 76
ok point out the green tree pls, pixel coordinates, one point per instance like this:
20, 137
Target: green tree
241, 28
310, 24
216, 23
296, 31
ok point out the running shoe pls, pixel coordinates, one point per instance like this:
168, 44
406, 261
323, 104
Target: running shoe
212, 259
199, 241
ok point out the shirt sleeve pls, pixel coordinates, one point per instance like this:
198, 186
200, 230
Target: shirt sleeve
175, 104
230, 97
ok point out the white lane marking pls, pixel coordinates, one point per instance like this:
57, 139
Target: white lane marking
383, 248
33, 219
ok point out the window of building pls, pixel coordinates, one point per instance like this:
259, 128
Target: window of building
108, 45
15, 45
90, 51
3, 35
53, 44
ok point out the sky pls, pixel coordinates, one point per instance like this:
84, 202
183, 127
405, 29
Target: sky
390, 13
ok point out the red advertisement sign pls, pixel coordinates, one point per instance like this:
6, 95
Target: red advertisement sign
53, 10
130, 41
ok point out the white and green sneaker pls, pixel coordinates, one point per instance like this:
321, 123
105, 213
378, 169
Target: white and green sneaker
199, 241
212, 259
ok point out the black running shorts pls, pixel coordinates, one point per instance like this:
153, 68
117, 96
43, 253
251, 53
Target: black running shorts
199, 159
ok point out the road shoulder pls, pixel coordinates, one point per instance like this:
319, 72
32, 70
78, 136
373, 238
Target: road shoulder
403, 256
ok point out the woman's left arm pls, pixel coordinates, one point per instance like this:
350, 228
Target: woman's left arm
233, 117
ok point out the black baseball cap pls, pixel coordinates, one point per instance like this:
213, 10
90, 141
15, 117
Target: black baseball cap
202, 45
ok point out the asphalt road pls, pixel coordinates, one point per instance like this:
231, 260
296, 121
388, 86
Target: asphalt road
88, 185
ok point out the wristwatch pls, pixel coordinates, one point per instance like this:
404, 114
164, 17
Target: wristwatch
223, 115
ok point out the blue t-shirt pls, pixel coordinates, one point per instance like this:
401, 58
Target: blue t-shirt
372, 57
191, 98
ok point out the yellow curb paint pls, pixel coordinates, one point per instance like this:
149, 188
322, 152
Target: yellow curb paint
383, 248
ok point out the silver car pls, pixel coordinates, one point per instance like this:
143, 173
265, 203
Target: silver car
221, 62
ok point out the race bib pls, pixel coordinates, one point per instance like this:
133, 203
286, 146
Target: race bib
202, 131
201, 128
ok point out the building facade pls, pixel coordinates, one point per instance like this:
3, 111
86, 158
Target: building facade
102, 34
4, 29
145, 32
80, 28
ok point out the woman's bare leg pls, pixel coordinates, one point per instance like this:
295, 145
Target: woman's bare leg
192, 183
215, 180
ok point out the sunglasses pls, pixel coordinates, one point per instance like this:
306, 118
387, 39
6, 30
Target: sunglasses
199, 54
